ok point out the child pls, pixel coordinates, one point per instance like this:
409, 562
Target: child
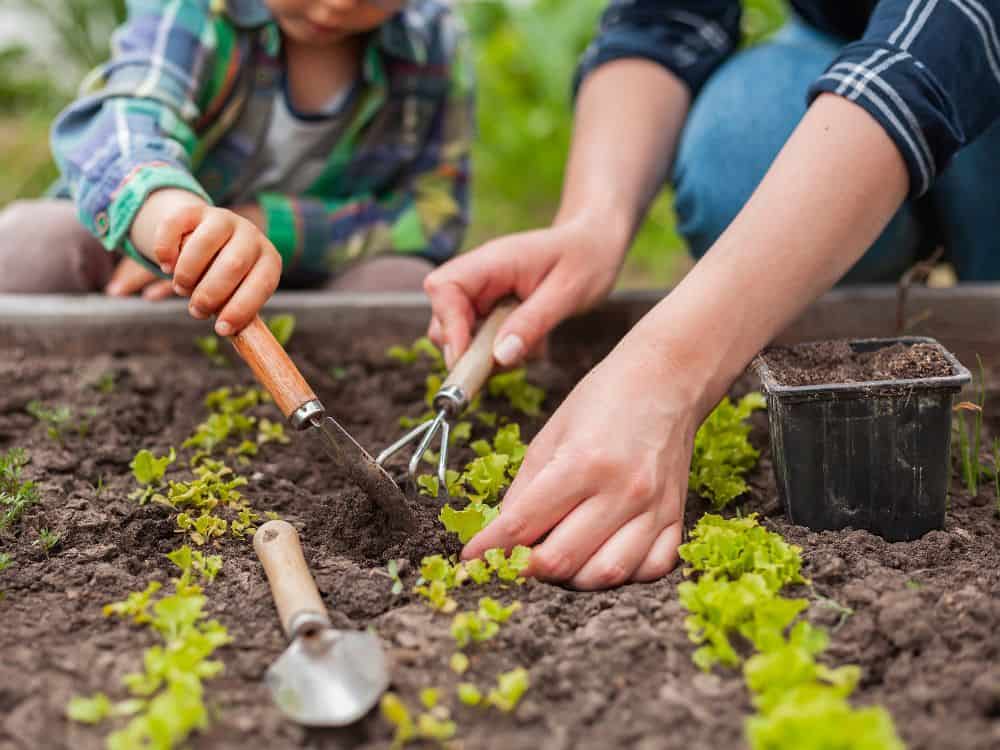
235, 145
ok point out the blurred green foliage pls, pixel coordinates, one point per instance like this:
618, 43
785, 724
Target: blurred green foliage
526, 53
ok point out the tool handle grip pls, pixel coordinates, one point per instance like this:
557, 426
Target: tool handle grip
278, 548
272, 367
476, 364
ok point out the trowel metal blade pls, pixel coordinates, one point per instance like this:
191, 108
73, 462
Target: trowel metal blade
358, 466
330, 678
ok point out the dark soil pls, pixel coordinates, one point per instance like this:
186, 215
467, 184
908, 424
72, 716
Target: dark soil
608, 670
824, 362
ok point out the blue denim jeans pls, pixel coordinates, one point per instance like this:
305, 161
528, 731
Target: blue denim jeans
749, 108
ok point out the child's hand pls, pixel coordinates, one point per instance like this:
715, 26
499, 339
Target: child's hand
129, 277
219, 259
556, 272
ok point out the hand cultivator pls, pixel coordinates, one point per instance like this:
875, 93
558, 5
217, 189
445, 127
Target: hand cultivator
461, 386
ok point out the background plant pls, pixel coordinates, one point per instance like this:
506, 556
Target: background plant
525, 52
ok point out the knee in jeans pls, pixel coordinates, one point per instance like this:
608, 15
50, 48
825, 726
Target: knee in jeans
705, 205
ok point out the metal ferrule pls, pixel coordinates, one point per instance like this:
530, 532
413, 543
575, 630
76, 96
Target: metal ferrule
305, 415
306, 622
452, 400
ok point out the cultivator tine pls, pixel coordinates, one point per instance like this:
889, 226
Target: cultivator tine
425, 443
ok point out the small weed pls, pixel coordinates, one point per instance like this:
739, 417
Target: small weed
99, 487
16, 496
105, 383
47, 540
209, 346
56, 419
970, 439
5, 561
282, 327
392, 570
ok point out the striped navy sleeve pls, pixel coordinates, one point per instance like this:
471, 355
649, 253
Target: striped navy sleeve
929, 72
688, 37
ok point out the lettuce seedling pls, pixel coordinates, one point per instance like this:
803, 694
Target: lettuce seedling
271, 432
209, 346
818, 717
434, 725
520, 394
282, 327
509, 568
468, 521
422, 347
469, 694
194, 566
469, 627
722, 451
135, 605
459, 662
729, 548
510, 687
91, 710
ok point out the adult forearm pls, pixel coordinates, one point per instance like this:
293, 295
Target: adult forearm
829, 194
629, 116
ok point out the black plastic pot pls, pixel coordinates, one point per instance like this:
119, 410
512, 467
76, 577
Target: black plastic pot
874, 455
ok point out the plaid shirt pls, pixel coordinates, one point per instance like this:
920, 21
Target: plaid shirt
185, 102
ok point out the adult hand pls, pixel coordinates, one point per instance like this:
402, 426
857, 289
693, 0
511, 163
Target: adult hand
557, 272
606, 478
131, 278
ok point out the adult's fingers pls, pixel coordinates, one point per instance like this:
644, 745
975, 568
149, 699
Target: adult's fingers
158, 290
227, 270
530, 510
170, 233
526, 327
662, 556
619, 557
256, 289
454, 316
200, 247
578, 537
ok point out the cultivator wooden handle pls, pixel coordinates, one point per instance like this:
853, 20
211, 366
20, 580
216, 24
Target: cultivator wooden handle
295, 594
475, 365
272, 367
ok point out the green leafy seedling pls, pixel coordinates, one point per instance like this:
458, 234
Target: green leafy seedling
392, 568
106, 382
16, 494
469, 694
56, 419
459, 662
511, 686
722, 452
47, 540
209, 346
5, 561
282, 327
520, 394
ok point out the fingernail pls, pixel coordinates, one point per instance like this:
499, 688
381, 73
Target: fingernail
509, 351
113, 290
166, 268
197, 312
447, 355
180, 291
223, 328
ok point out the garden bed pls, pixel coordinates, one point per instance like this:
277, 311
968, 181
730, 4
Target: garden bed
608, 670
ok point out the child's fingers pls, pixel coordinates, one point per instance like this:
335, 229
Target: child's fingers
170, 232
128, 278
158, 290
227, 269
256, 289
200, 247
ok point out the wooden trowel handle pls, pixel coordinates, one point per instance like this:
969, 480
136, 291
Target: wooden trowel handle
476, 364
272, 367
277, 546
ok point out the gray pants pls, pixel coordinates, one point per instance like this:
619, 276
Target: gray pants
45, 250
